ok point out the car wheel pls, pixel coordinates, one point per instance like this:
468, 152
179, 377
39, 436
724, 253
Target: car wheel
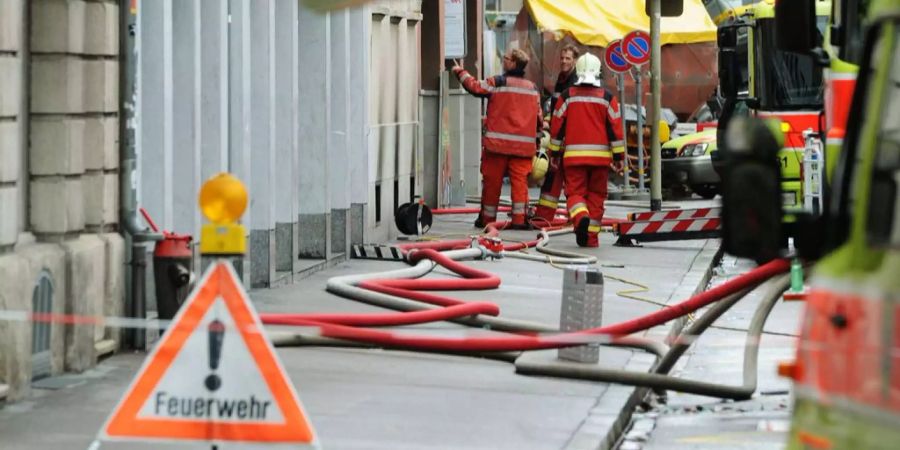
707, 191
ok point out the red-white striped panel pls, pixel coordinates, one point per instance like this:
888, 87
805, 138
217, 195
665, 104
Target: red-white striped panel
668, 226
676, 214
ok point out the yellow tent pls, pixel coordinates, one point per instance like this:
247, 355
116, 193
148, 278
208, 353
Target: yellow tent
597, 22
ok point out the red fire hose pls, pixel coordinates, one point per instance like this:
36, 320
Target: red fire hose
492, 229
523, 343
476, 210
388, 319
473, 279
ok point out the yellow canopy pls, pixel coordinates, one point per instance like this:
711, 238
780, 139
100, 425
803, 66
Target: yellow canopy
597, 22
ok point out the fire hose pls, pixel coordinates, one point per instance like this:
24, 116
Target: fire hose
525, 343
426, 259
657, 378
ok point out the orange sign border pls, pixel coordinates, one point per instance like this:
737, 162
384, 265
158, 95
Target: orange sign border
124, 422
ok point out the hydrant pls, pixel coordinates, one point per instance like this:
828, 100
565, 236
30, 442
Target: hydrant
172, 262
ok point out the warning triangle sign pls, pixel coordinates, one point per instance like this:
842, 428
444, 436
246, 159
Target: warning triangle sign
212, 377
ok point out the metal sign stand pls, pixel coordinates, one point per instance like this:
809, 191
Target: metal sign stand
640, 125
620, 77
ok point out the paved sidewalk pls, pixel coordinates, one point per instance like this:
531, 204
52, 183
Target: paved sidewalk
702, 423
363, 398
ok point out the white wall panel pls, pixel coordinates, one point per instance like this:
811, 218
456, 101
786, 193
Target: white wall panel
284, 76
360, 25
310, 110
260, 117
213, 86
185, 140
154, 144
338, 137
315, 76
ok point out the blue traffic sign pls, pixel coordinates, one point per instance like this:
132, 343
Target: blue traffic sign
615, 60
636, 47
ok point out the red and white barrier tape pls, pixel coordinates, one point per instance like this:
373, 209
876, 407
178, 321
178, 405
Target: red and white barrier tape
676, 214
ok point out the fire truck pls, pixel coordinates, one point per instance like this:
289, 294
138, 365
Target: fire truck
847, 368
757, 77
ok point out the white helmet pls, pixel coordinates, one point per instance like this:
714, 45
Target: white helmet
588, 68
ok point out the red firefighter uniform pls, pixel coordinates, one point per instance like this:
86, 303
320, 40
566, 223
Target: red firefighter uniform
553, 183
587, 122
509, 140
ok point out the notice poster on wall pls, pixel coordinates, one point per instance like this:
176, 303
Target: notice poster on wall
454, 29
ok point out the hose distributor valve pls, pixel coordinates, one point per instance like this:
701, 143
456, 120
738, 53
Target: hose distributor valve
490, 246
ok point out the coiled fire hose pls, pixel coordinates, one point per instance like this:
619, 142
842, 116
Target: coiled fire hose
335, 331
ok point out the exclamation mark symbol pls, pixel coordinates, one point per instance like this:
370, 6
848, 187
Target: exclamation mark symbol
216, 337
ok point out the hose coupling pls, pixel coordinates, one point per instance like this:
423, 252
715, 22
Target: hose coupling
490, 246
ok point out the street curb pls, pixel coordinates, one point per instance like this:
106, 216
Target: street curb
694, 281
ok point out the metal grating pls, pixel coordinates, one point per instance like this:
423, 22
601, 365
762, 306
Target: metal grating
41, 302
582, 308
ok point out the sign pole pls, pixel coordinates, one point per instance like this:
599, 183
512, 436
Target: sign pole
626, 164
640, 127
656, 107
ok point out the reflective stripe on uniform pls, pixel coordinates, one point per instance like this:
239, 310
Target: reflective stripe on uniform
489, 210
515, 90
614, 114
554, 145
548, 201
594, 227
587, 147
577, 209
509, 137
464, 77
518, 208
583, 99
550, 198
586, 153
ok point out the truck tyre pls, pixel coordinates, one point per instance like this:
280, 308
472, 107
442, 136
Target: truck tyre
707, 191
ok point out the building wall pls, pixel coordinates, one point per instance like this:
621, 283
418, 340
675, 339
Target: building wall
314, 111
393, 128
59, 78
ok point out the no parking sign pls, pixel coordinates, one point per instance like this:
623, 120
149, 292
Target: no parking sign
636, 47
615, 60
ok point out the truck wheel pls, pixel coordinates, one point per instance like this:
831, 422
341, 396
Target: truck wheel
707, 191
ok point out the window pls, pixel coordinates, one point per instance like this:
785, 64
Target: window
786, 80
884, 204
847, 33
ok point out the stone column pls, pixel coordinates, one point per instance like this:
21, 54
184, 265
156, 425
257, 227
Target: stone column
285, 72
314, 220
262, 160
338, 137
361, 23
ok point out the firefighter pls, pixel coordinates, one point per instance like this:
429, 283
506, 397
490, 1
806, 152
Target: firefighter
510, 135
553, 183
586, 122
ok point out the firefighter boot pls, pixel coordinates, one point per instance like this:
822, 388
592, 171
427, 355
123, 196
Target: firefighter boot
581, 230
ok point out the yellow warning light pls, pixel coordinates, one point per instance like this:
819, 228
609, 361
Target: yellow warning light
785, 127
223, 200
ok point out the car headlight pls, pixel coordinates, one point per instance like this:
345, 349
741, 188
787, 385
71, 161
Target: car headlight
694, 149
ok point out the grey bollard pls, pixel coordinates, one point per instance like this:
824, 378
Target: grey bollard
582, 308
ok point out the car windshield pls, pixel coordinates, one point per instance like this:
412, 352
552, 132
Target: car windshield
786, 80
